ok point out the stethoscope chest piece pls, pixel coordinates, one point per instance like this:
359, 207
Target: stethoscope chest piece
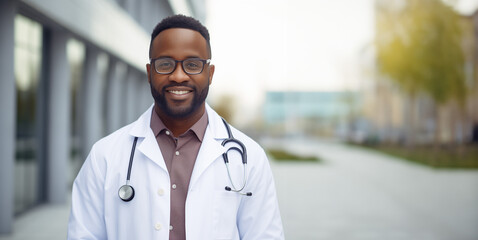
126, 192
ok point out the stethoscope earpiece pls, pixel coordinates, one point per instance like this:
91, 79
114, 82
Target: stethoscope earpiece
229, 189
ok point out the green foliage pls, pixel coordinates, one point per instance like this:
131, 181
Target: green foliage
457, 157
282, 155
419, 46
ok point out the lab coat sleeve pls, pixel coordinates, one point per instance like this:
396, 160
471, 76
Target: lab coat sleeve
259, 216
87, 210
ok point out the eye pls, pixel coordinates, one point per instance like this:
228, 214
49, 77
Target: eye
193, 64
164, 64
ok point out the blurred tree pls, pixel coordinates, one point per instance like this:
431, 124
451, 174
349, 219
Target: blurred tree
419, 47
225, 107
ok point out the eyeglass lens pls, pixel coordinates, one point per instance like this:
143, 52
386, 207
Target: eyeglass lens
167, 65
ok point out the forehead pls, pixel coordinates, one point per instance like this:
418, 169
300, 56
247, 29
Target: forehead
179, 43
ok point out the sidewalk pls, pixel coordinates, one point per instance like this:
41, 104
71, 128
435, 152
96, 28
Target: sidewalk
359, 194
45, 222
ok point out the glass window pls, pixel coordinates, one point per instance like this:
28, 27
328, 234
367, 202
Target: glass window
28, 57
76, 58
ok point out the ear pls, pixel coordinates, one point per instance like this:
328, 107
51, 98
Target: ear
148, 68
211, 73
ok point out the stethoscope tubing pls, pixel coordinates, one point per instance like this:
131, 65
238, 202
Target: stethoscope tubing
128, 177
243, 153
126, 192
234, 188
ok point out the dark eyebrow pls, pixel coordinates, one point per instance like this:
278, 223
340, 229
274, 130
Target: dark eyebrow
188, 57
163, 57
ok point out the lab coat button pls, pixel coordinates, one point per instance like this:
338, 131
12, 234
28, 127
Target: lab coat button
174, 186
157, 226
161, 192
177, 153
170, 228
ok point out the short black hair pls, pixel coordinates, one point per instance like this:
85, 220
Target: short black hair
180, 21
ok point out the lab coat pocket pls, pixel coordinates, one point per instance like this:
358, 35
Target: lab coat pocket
225, 212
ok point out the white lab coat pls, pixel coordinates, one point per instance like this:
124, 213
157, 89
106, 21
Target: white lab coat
211, 212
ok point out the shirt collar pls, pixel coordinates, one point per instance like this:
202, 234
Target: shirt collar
199, 128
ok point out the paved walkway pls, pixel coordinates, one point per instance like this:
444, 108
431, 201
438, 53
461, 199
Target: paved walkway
359, 194
354, 194
45, 222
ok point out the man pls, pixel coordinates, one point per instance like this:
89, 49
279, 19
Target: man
177, 183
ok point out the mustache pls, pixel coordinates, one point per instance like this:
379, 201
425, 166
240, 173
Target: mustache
178, 85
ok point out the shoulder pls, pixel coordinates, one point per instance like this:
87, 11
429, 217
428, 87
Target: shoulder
248, 141
108, 149
253, 148
113, 139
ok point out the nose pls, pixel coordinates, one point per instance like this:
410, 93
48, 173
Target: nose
178, 75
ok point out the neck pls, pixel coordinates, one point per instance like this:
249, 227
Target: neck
180, 125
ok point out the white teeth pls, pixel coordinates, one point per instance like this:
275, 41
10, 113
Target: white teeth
178, 92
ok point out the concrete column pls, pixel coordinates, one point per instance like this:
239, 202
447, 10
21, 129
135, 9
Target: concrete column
145, 15
131, 97
91, 97
145, 92
131, 7
164, 10
58, 130
114, 96
123, 98
153, 14
155, 18
8, 109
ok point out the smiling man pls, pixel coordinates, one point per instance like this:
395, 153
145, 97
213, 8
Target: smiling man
180, 171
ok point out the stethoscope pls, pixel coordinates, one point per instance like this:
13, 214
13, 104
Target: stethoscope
126, 192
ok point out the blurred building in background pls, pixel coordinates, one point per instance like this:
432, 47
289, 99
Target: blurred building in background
305, 113
71, 73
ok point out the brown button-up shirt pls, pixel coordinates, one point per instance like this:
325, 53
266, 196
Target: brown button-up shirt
179, 154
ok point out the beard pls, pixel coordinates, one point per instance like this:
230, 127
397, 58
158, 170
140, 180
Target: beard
179, 112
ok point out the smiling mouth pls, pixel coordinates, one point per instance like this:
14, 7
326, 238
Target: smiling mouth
179, 92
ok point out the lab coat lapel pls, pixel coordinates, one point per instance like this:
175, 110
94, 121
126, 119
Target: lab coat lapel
211, 147
149, 146
210, 150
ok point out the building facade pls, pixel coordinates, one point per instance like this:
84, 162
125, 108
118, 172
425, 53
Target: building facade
71, 73
310, 113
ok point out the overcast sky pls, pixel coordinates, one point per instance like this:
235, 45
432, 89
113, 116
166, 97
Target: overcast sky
302, 45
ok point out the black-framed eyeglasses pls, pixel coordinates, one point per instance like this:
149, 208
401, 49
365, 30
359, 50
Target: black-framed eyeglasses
167, 65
